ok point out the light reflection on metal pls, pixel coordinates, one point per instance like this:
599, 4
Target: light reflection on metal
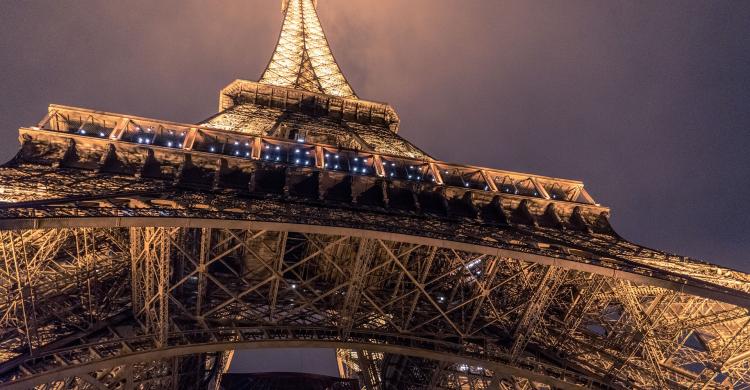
138, 252
303, 59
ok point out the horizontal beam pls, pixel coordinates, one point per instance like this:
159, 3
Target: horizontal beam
705, 291
487, 174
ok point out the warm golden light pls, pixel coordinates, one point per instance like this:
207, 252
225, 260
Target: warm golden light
302, 58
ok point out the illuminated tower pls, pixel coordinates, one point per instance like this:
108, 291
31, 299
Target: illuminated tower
139, 253
302, 59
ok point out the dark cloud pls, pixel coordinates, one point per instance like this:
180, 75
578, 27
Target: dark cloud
647, 102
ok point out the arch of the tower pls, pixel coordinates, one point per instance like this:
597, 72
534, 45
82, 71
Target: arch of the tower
233, 339
89, 297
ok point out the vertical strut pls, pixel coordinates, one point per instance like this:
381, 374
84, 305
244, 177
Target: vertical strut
151, 267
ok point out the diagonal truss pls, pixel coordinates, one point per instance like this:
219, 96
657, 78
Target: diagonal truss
303, 59
138, 253
407, 312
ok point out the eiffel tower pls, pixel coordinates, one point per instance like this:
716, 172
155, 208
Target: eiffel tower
139, 253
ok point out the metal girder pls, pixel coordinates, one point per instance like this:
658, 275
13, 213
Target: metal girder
302, 58
188, 288
139, 253
151, 263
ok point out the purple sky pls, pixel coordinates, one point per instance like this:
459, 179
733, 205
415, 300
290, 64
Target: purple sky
647, 102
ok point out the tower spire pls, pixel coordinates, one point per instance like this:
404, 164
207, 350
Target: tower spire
302, 58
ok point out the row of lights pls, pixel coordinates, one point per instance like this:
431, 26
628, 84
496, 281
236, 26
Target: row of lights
467, 183
356, 165
172, 140
299, 160
514, 190
412, 172
84, 132
274, 154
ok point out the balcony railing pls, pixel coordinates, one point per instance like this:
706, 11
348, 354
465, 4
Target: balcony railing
234, 144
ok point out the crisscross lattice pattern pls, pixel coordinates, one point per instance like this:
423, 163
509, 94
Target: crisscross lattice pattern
302, 58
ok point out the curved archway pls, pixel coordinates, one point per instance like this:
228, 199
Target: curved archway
267, 338
208, 273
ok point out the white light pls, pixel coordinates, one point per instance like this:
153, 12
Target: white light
236, 142
355, 169
296, 161
419, 177
307, 153
140, 140
147, 140
236, 152
278, 148
247, 144
294, 286
277, 158
336, 167
101, 134
268, 147
409, 176
296, 150
267, 157
247, 154
391, 174
328, 155
169, 144
473, 263
300, 140
83, 131
337, 156
307, 162
213, 149
356, 159
180, 144
393, 164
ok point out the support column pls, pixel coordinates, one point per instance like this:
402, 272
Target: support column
150, 250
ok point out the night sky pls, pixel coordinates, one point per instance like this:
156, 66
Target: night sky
647, 102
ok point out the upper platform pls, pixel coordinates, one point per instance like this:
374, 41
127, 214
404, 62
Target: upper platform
268, 110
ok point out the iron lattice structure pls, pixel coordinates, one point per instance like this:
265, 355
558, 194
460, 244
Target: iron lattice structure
139, 253
302, 58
